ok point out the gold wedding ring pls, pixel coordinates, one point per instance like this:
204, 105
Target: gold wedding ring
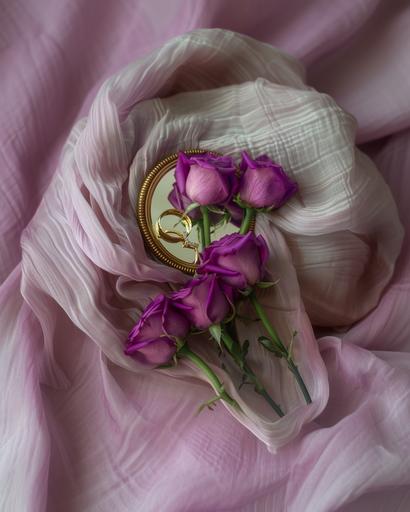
174, 237
153, 232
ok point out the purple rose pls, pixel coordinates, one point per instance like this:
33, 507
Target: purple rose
239, 260
263, 183
204, 179
208, 300
152, 340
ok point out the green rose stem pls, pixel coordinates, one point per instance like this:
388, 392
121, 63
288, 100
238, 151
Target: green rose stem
201, 233
239, 357
206, 225
185, 351
281, 349
246, 221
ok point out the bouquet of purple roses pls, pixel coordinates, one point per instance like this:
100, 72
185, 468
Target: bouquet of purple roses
230, 270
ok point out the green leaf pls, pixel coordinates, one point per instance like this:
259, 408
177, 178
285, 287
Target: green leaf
239, 202
180, 342
215, 209
290, 349
266, 209
232, 315
191, 207
195, 332
246, 292
209, 404
188, 209
216, 332
224, 220
266, 284
267, 343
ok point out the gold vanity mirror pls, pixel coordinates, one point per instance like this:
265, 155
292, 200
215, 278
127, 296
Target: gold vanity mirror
169, 234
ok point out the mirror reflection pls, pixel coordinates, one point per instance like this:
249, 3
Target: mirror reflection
175, 231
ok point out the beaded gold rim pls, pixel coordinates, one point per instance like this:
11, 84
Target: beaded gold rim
143, 211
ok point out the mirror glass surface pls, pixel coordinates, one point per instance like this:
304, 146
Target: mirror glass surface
172, 236
174, 232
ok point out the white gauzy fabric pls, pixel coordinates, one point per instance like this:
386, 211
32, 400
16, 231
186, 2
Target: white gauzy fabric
333, 246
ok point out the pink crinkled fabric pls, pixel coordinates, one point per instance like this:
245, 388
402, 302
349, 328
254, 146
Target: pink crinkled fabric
101, 433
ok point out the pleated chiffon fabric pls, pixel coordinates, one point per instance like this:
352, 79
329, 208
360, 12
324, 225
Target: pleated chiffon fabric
106, 433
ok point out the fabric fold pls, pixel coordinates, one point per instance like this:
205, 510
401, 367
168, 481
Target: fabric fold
97, 431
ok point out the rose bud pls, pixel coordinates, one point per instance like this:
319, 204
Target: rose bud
238, 260
208, 300
152, 340
204, 179
264, 184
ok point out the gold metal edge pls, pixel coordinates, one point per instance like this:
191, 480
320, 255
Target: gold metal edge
143, 211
